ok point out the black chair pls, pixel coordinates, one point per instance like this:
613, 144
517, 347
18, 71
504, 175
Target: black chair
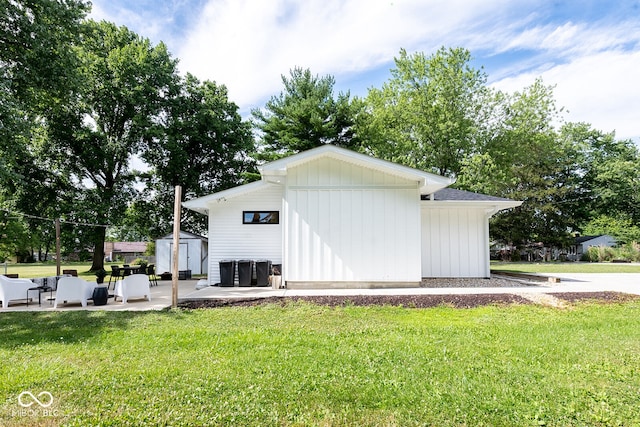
116, 274
151, 272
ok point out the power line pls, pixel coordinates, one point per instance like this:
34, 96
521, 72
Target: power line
82, 224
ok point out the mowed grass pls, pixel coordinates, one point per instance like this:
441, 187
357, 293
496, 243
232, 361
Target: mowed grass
565, 267
46, 269
308, 365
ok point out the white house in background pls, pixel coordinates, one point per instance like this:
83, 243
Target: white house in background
192, 254
583, 243
336, 218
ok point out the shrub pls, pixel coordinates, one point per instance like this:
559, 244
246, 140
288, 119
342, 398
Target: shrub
630, 252
600, 254
140, 261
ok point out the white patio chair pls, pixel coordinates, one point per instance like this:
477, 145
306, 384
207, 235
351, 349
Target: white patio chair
73, 289
135, 285
15, 289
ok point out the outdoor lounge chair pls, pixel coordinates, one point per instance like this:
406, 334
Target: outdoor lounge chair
16, 289
135, 285
73, 289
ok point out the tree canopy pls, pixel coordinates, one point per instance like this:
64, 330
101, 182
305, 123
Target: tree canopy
204, 147
97, 127
437, 113
306, 114
427, 114
37, 73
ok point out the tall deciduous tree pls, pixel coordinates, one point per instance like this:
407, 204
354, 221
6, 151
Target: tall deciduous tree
539, 167
37, 66
204, 148
37, 74
611, 172
427, 114
36, 37
306, 115
123, 81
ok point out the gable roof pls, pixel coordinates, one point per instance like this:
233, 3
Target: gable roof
583, 239
428, 182
275, 172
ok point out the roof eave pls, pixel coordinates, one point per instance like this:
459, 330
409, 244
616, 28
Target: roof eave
427, 182
202, 204
491, 207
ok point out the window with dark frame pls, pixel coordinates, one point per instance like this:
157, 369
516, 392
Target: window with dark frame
260, 217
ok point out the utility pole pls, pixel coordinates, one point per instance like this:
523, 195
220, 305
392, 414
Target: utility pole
176, 247
57, 246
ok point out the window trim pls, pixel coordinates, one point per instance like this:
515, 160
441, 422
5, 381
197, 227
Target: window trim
260, 213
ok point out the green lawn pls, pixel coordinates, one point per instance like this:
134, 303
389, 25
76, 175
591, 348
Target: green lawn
40, 269
565, 267
305, 365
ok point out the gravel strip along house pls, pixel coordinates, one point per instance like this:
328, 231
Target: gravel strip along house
334, 218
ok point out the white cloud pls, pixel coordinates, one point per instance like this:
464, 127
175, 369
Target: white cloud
248, 45
593, 69
601, 89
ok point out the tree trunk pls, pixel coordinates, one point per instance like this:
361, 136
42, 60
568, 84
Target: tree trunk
98, 249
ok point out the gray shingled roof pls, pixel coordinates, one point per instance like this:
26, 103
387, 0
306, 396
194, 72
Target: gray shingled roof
452, 194
582, 239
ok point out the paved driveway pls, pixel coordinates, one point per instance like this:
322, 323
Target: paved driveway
628, 283
593, 282
161, 295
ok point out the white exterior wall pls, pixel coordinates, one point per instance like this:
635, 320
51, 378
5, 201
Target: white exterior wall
455, 241
347, 223
229, 238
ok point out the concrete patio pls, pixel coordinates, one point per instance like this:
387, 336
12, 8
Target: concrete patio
161, 294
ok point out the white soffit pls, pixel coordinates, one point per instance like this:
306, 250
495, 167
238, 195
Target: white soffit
202, 204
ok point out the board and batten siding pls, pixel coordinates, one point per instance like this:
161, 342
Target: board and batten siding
454, 242
348, 223
229, 238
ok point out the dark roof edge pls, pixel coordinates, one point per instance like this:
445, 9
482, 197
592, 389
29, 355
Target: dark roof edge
451, 194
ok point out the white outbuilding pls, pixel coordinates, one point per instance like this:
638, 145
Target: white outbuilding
193, 253
336, 218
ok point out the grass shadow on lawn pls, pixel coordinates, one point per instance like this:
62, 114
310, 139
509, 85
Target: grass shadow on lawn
20, 328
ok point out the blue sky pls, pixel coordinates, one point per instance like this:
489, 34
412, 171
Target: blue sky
590, 50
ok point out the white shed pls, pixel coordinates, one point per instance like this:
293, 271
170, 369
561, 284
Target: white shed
192, 255
336, 218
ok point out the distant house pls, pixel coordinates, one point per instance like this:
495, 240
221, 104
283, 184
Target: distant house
124, 250
583, 243
336, 218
